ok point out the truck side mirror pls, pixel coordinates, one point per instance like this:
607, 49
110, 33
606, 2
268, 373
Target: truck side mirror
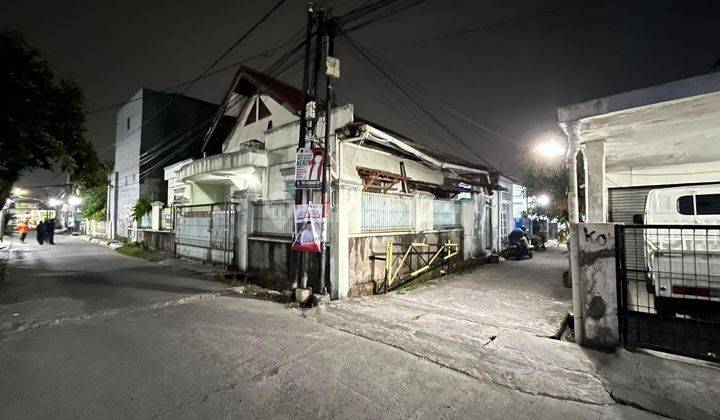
638, 219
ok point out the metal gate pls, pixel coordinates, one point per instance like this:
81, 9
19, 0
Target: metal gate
669, 288
206, 232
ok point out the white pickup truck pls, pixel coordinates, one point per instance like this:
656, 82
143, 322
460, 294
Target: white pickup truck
683, 263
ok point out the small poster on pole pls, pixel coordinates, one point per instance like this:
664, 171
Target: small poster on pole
309, 167
308, 227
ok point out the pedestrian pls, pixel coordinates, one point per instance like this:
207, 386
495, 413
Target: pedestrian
23, 228
50, 231
40, 232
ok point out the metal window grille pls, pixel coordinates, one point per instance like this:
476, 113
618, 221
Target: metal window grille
669, 288
273, 218
446, 214
504, 211
386, 212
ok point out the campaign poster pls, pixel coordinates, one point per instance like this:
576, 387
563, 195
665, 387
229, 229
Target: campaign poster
308, 227
309, 167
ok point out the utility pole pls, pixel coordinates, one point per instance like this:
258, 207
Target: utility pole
330, 76
299, 260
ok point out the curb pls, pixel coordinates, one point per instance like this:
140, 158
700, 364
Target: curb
107, 243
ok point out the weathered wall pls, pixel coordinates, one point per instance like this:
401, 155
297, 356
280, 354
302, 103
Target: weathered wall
270, 264
598, 282
156, 240
365, 273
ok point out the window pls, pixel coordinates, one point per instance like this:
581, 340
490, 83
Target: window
252, 116
707, 204
127, 123
685, 205
263, 111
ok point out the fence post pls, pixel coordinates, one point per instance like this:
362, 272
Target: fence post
244, 227
156, 215
423, 211
467, 221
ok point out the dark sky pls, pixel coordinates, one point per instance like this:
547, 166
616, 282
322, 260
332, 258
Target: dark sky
506, 65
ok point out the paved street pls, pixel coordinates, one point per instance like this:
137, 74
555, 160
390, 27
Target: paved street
107, 336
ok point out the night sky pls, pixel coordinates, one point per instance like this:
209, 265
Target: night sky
504, 65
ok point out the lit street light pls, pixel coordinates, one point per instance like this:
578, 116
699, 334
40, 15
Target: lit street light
550, 149
74, 201
543, 200
54, 202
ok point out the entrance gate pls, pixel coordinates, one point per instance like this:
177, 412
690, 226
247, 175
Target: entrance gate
206, 232
669, 288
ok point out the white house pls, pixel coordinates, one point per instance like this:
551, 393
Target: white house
384, 188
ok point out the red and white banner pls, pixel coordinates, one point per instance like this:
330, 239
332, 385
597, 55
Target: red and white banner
309, 167
308, 227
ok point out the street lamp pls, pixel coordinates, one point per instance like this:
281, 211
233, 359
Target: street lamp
550, 149
74, 201
543, 200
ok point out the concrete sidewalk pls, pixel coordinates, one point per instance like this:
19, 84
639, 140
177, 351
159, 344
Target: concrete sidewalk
494, 324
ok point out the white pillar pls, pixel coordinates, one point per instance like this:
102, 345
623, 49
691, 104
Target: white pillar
467, 220
156, 215
346, 220
243, 229
423, 203
573, 133
596, 200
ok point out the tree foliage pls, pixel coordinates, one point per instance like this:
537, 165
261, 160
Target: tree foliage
94, 205
42, 121
550, 176
141, 208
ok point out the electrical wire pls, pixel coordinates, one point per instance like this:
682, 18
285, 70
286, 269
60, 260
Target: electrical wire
417, 103
208, 69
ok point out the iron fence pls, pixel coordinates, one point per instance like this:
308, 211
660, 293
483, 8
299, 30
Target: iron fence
273, 218
386, 212
206, 232
669, 288
446, 214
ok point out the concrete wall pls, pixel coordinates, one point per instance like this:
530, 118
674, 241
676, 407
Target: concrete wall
364, 273
598, 285
127, 163
156, 240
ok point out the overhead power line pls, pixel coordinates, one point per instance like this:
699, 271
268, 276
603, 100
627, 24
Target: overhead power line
417, 103
207, 70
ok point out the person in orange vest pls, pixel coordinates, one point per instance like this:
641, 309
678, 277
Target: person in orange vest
23, 228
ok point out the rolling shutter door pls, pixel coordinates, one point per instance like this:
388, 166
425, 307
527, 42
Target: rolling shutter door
626, 202
623, 204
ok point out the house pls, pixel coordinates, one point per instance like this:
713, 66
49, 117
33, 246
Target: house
631, 278
152, 129
384, 188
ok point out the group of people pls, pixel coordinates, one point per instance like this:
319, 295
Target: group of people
45, 231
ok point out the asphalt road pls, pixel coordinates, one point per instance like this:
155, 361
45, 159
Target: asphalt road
102, 335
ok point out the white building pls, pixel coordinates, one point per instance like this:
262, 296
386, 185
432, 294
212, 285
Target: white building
384, 188
147, 137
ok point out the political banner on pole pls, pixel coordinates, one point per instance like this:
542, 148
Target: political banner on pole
308, 227
309, 167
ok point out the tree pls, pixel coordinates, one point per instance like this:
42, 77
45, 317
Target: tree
42, 122
94, 205
141, 208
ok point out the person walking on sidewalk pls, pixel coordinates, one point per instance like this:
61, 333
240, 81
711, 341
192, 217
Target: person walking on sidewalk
50, 231
40, 232
23, 228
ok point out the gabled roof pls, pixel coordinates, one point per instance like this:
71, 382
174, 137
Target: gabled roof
247, 81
